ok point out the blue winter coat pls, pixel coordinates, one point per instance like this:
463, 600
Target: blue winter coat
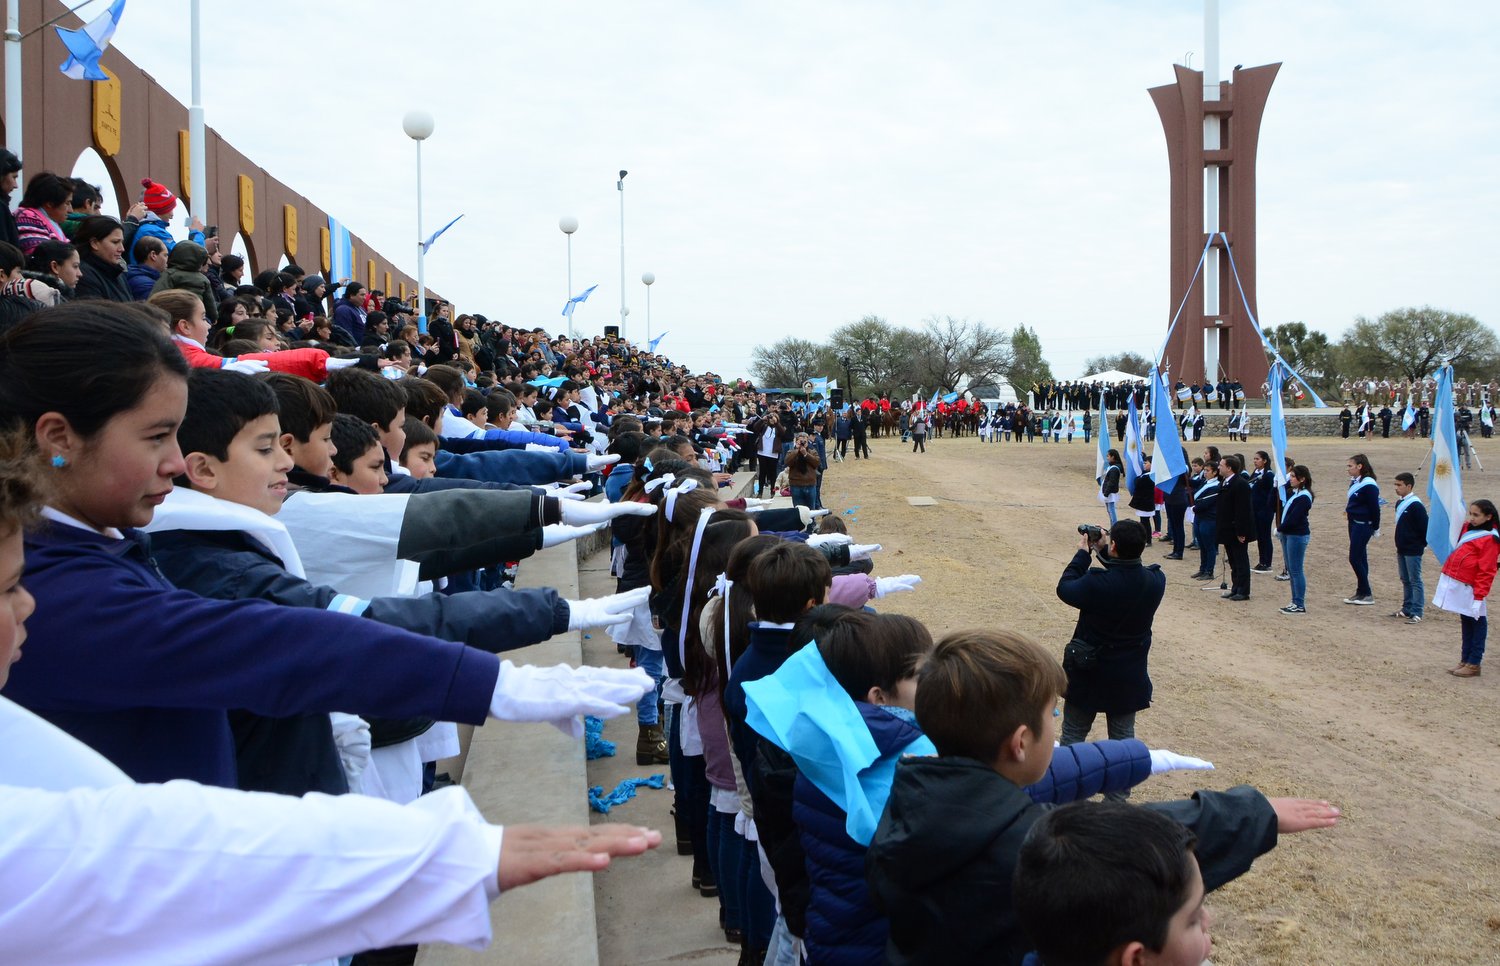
156, 228
527, 467
140, 280
145, 673
843, 926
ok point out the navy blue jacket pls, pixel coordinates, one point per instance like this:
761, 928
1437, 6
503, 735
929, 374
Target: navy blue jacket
518, 466
770, 773
1263, 493
1411, 530
145, 673
1294, 516
843, 926
1364, 505
944, 856
1116, 605
1206, 499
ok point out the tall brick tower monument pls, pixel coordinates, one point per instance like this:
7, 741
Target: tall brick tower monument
1212, 129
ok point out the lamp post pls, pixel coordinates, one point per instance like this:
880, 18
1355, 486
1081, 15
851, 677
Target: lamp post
569, 225
848, 380
648, 279
418, 126
620, 186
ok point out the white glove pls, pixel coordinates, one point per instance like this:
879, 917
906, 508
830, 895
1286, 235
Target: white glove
862, 551
560, 695
556, 533
605, 611
351, 734
808, 516
577, 513
540, 448
820, 540
569, 491
248, 366
600, 462
332, 363
893, 585
753, 505
1163, 760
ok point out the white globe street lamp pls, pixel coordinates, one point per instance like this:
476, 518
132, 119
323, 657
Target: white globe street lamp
418, 126
568, 225
648, 279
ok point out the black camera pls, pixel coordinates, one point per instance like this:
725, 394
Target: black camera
1095, 534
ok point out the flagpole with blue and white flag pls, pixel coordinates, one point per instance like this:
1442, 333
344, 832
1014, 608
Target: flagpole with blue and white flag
1101, 462
575, 301
427, 245
1445, 488
1133, 463
651, 346
1278, 427
88, 43
1169, 460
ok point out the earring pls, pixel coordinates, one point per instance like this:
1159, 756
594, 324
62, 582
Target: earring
59, 461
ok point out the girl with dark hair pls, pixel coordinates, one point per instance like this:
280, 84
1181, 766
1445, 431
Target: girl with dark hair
1295, 534
1363, 513
44, 207
10, 175
1465, 582
1263, 505
349, 316
101, 247
50, 272
1109, 483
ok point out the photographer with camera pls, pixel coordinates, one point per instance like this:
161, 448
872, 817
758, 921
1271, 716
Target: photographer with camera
1106, 660
802, 466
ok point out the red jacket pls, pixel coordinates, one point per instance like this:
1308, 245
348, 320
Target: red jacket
308, 363
1474, 563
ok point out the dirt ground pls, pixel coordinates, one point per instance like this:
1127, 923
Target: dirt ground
1343, 703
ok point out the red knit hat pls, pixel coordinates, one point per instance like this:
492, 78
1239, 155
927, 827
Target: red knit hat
158, 200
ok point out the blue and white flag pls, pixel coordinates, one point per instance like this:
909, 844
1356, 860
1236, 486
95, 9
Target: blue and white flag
1409, 418
1278, 427
1445, 489
818, 385
438, 234
341, 254
576, 300
952, 397
86, 45
1168, 460
1133, 464
651, 346
1101, 462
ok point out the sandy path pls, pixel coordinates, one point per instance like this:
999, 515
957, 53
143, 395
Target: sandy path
1342, 703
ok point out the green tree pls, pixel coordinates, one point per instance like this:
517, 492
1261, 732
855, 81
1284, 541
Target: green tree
1131, 362
787, 364
881, 355
1413, 342
1028, 367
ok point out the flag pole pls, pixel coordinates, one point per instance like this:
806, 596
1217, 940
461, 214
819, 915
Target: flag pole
13, 82
197, 138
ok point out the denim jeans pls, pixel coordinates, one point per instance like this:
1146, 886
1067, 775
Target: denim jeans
1111, 508
690, 790
757, 905
1077, 722
1293, 552
724, 862
785, 949
1475, 629
1205, 533
803, 496
1359, 559
1410, 569
653, 664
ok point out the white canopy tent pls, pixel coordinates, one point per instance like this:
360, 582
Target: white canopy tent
1113, 375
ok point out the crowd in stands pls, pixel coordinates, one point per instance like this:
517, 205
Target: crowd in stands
261, 554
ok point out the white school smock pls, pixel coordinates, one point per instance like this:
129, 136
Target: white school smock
186, 873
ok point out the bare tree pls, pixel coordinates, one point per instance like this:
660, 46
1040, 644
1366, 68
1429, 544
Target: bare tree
788, 363
956, 352
881, 356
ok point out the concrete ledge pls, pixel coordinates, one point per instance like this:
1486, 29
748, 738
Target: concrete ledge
525, 773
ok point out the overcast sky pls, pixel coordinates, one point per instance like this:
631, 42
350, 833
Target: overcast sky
794, 166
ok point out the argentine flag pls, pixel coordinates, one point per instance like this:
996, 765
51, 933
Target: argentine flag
1445, 489
86, 45
1278, 427
575, 300
1168, 461
1133, 465
1410, 416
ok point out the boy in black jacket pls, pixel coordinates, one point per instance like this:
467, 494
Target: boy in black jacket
1411, 543
944, 855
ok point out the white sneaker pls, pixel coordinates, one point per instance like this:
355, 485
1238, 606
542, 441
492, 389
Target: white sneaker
1361, 601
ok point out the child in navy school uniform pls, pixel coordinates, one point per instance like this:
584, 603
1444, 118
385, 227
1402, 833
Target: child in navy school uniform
1411, 543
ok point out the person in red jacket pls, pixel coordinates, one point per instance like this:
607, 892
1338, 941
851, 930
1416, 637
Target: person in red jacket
1465, 582
190, 329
